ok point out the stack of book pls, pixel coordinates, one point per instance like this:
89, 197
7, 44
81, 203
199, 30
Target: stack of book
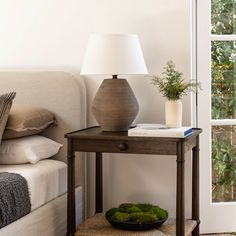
158, 130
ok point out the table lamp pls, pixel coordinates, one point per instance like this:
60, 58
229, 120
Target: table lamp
115, 105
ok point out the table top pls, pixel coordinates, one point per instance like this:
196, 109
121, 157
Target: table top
96, 132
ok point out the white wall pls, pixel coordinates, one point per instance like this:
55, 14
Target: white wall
52, 34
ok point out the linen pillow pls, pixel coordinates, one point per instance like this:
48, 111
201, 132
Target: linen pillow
5, 106
27, 120
27, 150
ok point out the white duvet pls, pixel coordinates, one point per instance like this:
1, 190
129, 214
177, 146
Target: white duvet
46, 180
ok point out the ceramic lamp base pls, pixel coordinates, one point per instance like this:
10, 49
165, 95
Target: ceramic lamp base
115, 105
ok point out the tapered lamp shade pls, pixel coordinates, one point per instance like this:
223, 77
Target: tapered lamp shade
115, 105
113, 54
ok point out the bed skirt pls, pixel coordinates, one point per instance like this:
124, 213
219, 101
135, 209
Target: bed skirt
47, 220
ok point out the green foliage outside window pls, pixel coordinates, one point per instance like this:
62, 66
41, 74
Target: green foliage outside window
223, 97
223, 16
223, 82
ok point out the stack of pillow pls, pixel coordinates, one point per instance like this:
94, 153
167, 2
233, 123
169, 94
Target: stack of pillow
19, 126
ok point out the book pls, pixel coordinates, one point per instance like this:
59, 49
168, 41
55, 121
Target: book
159, 130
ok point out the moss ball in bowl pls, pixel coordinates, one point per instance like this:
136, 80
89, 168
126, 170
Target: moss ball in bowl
136, 216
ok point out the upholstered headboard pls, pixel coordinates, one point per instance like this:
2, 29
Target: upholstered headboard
60, 92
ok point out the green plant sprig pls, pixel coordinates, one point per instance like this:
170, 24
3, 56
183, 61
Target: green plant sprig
172, 85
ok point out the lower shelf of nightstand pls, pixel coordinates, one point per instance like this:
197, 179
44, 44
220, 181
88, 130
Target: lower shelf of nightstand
97, 225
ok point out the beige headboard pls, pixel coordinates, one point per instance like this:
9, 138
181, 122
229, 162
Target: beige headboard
60, 92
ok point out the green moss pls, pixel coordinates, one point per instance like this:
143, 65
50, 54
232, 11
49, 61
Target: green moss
159, 212
133, 209
144, 206
137, 212
124, 207
121, 216
110, 214
143, 217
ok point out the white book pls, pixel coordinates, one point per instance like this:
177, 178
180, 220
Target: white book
158, 130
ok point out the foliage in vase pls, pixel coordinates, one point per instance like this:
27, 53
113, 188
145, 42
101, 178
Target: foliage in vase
172, 85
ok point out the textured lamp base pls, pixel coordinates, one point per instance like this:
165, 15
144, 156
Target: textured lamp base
115, 105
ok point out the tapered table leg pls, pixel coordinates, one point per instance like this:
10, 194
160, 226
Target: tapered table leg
71, 225
195, 187
180, 204
99, 184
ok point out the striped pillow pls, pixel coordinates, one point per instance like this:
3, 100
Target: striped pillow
5, 106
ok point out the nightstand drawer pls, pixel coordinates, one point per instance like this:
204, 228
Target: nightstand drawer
125, 146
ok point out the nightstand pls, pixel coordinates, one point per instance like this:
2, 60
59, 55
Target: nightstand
95, 140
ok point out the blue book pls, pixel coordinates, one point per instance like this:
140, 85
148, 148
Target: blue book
158, 130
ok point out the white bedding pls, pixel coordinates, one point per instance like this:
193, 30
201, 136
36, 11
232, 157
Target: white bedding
46, 180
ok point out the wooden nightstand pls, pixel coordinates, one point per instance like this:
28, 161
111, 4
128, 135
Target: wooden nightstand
95, 140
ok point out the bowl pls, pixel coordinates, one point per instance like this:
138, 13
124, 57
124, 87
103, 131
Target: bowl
134, 225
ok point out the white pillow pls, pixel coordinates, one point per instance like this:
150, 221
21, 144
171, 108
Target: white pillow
27, 149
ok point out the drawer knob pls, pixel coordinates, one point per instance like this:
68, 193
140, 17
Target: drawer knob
123, 146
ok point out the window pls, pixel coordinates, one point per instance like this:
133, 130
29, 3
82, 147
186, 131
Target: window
223, 99
216, 41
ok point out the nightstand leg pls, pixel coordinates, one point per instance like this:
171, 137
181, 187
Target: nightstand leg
99, 183
195, 187
180, 204
71, 225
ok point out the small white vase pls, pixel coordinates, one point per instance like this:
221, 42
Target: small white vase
173, 113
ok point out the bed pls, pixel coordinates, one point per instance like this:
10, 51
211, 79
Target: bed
64, 94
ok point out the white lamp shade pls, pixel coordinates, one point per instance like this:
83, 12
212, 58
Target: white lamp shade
113, 54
